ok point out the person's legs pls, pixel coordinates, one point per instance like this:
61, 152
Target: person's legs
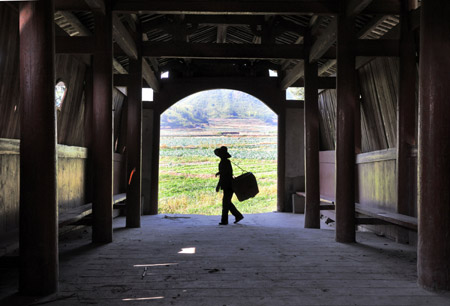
226, 201
236, 213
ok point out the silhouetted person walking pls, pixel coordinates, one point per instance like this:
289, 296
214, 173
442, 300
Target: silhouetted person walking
225, 183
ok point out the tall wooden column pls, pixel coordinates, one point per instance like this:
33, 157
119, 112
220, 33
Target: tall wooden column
345, 125
102, 133
433, 263
134, 143
154, 184
312, 186
281, 160
38, 157
406, 115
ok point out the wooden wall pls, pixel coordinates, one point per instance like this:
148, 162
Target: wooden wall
376, 179
71, 180
372, 190
378, 90
68, 68
72, 161
9, 69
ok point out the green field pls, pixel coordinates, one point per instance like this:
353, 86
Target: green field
188, 165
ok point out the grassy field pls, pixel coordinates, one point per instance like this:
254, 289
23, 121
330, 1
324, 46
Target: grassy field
188, 165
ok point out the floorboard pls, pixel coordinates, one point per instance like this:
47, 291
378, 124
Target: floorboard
266, 259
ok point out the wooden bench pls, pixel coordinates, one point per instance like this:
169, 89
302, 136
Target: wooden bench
325, 202
9, 242
368, 215
401, 220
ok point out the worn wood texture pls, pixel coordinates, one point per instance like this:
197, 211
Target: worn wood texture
38, 232
378, 81
9, 191
327, 180
267, 260
9, 74
379, 89
376, 179
433, 260
327, 119
71, 115
70, 181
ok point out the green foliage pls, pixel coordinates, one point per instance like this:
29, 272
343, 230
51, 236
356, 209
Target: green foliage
195, 110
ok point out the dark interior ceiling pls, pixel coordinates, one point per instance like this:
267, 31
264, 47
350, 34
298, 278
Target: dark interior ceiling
228, 38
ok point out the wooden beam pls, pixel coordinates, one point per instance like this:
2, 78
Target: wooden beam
74, 44
328, 37
383, 7
324, 41
293, 75
414, 19
102, 149
370, 26
326, 83
221, 34
75, 23
38, 238
214, 20
199, 7
377, 20
345, 129
121, 80
222, 51
80, 5
327, 66
149, 76
123, 38
311, 124
96, 5
118, 66
134, 144
354, 7
406, 112
376, 47
433, 163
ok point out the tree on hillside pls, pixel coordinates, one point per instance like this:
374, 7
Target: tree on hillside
194, 111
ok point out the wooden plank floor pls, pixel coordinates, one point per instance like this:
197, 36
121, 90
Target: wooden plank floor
267, 259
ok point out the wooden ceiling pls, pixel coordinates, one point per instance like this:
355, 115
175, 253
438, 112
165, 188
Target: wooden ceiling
229, 38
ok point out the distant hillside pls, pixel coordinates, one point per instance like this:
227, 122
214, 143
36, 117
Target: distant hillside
197, 109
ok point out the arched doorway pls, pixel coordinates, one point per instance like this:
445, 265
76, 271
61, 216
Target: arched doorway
192, 128
290, 165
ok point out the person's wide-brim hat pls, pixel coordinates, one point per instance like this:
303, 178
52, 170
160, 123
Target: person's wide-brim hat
222, 152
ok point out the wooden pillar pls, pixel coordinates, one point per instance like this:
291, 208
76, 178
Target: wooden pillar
154, 185
406, 115
88, 138
312, 185
134, 143
102, 131
147, 149
434, 146
38, 158
281, 161
345, 126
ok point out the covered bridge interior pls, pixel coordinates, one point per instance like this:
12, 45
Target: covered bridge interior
367, 147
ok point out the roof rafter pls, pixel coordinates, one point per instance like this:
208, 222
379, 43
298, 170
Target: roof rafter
227, 7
